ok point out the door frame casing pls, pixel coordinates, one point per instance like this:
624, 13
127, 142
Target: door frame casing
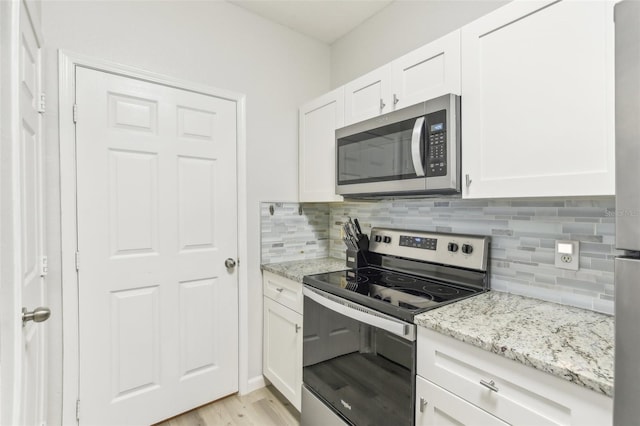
67, 64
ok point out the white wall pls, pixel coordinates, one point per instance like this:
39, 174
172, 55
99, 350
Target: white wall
213, 43
397, 29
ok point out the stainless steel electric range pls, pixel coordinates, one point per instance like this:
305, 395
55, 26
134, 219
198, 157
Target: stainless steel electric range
359, 342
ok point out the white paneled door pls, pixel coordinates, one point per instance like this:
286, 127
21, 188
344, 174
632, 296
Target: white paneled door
158, 307
24, 347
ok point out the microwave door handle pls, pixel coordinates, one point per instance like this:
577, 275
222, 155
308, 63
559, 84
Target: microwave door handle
416, 140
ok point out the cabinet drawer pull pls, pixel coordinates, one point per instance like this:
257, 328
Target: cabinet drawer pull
382, 105
489, 385
298, 327
395, 99
423, 404
279, 289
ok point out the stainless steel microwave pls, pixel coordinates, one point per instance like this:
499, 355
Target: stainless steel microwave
411, 151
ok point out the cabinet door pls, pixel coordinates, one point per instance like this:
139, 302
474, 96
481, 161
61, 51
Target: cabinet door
282, 350
537, 100
319, 120
428, 72
368, 96
436, 406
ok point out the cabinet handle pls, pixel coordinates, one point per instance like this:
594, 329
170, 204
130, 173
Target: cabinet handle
423, 404
298, 327
468, 180
489, 385
279, 289
395, 99
382, 105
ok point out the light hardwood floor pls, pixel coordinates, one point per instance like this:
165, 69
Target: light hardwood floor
263, 407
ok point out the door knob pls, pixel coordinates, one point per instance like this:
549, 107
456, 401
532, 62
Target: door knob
39, 314
230, 263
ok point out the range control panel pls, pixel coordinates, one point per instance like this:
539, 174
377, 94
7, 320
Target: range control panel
466, 251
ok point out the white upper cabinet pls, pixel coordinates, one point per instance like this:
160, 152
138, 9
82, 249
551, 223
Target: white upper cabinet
538, 100
428, 72
319, 120
425, 73
368, 96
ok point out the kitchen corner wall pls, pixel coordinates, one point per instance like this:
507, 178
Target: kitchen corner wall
523, 235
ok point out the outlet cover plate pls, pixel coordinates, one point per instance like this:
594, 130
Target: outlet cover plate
565, 260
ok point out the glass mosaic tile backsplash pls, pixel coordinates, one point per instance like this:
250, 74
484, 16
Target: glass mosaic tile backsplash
523, 235
294, 231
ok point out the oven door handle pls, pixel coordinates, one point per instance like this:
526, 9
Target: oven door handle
416, 141
362, 314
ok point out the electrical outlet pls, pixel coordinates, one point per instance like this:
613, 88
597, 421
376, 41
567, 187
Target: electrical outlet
567, 255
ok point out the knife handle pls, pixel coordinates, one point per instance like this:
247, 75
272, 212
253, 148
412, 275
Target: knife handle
355, 221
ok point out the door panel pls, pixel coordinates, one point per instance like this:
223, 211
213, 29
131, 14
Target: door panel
135, 334
199, 353
157, 218
31, 222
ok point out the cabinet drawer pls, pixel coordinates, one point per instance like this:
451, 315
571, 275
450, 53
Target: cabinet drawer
283, 290
435, 406
520, 394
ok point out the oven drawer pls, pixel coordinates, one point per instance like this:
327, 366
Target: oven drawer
283, 290
513, 392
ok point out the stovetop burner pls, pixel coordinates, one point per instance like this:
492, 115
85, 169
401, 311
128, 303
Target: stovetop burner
395, 279
440, 290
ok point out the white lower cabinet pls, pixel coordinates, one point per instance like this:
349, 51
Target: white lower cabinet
282, 337
456, 379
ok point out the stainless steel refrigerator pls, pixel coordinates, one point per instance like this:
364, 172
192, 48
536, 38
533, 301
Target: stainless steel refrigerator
626, 399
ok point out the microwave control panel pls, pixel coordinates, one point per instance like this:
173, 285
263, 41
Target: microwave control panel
437, 143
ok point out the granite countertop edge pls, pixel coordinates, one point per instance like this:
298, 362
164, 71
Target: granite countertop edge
571, 343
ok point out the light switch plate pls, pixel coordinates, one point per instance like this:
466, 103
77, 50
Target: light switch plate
567, 254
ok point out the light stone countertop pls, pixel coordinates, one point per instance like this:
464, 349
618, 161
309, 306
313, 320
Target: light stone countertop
297, 269
572, 343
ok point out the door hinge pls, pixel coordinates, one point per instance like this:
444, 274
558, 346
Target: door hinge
75, 113
42, 103
44, 266
77, 409
77, 261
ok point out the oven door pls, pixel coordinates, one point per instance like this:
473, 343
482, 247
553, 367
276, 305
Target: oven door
358, 363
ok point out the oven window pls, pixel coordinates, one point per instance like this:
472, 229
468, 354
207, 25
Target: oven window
381, 154
363, 373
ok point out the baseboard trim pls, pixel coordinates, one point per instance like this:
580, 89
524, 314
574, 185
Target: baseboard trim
254, 383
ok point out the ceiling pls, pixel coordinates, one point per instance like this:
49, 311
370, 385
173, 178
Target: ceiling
323, 20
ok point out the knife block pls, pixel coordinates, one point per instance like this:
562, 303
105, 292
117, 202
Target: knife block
356, 259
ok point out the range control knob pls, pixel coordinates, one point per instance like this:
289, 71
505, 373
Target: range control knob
452, 247
378, 238
467, 248
387, 240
